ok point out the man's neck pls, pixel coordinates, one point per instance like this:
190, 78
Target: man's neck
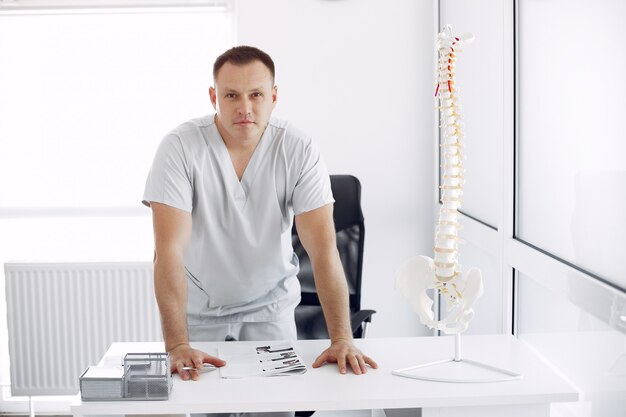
240, 150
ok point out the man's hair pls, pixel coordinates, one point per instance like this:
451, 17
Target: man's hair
242, 55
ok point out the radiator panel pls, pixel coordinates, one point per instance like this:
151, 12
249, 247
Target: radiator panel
62, 317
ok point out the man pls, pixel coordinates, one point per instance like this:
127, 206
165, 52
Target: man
224, 190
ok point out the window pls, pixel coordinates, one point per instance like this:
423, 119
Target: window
571, 170
558, 243
571, 185
85, 98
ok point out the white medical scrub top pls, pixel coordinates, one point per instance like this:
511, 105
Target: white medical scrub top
240, 264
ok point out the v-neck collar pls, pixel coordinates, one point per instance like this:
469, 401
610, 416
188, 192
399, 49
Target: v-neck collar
249, 174
240, 189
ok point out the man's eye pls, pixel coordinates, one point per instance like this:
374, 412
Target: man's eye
230, 95
256, 95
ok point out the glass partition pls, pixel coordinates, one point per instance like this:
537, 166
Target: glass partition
571, 168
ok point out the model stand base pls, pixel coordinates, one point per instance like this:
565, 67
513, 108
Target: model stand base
457, 370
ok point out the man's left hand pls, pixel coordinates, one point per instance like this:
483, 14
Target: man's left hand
344, 353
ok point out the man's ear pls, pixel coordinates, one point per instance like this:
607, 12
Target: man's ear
213, 95
274, 95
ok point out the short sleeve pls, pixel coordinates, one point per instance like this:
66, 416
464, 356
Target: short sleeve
169, 180
312, 189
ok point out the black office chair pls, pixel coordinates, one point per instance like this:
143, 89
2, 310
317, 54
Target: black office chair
350, 239
350, 233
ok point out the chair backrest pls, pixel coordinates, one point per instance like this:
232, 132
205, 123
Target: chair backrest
350, 233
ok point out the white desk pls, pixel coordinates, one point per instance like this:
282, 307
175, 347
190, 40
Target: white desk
325, 389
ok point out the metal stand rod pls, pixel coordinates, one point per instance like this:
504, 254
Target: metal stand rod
457, 347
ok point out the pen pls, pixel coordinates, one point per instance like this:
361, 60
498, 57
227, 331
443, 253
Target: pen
206, 366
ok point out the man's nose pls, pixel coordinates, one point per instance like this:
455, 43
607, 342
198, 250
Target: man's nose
245, 106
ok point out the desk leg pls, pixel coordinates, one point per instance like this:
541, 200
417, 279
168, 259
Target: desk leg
519, 410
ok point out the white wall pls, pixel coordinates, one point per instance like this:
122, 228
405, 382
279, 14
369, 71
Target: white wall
358, 75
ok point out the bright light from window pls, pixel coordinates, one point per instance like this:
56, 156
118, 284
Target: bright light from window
85, 99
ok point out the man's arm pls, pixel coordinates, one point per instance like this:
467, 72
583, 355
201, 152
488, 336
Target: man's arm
172, 231
317, 234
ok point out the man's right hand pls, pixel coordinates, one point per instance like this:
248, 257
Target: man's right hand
184, 355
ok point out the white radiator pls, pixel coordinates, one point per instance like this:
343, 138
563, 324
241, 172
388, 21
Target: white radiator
63, 316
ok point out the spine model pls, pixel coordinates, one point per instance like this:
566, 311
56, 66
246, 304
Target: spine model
443, 274
447, 228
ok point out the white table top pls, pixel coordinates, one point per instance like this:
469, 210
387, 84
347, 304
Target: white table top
325, 389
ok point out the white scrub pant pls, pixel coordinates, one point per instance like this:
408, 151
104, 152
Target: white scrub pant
284, 329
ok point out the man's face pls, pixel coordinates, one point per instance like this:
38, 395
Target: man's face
243, 97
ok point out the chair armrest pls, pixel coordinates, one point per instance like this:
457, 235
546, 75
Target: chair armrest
360, 317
